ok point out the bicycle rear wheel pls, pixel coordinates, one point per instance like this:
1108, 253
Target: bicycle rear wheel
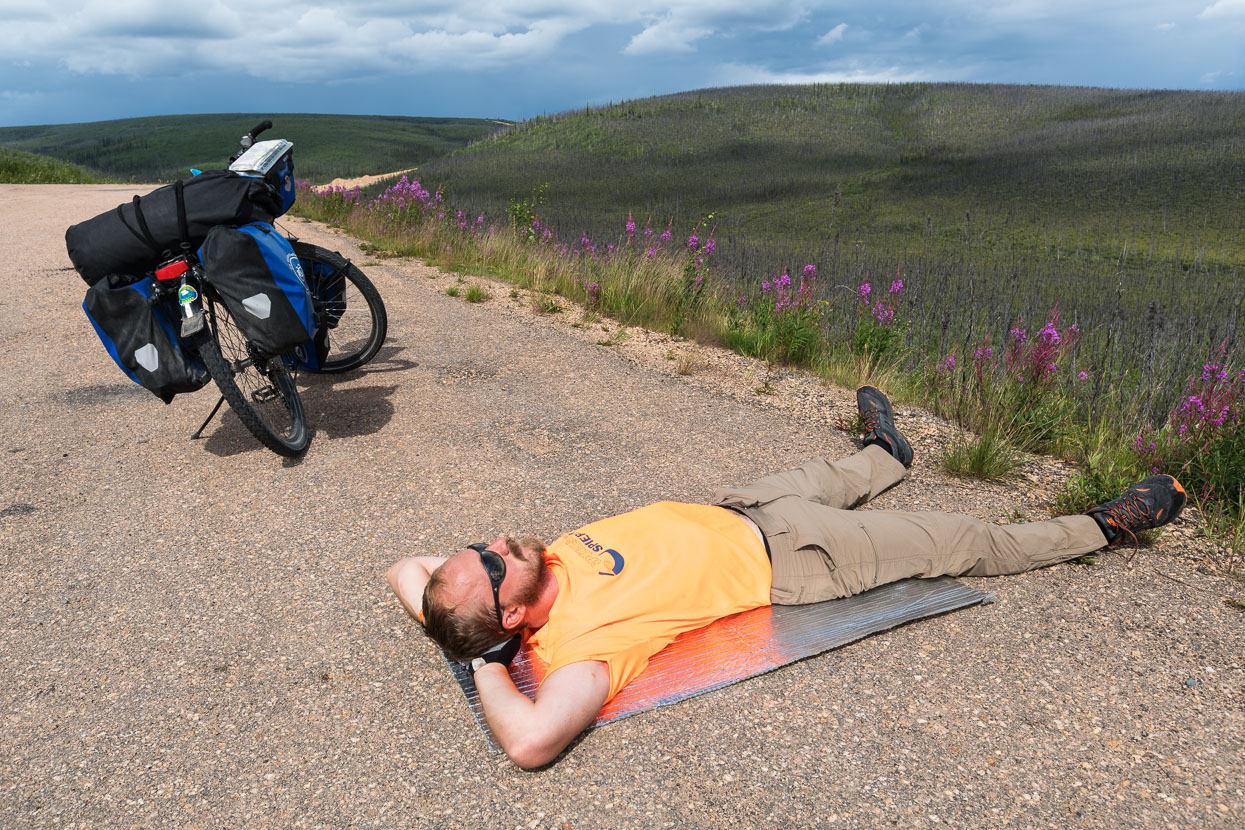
259, 389
348, 307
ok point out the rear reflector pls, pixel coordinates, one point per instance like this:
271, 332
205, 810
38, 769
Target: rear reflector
172, 270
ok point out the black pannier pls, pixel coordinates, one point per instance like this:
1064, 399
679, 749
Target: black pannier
141, 338
261, 280
133, 238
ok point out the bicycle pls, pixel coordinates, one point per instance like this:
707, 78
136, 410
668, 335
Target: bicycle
350, 327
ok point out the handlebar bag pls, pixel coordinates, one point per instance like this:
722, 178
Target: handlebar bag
133, 237
261, 281
272, 161
142, 339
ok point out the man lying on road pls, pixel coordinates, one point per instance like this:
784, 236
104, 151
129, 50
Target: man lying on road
599, 602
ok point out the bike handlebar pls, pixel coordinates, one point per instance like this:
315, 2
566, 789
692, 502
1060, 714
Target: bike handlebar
259, 128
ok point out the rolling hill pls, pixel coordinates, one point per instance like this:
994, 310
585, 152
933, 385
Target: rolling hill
325, 146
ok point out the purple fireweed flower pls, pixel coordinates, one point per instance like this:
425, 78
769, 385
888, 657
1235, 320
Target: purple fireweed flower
652, 252
1212, 370
699, 261
948, 363
983, 353
864, 292
709, 246
1082, 375
665, 235
896, 287
630, 226
809, 272
1018, 335
692, 241
765, 286
743, 300
883, 313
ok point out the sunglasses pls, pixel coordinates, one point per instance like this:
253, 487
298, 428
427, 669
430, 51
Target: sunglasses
495, 567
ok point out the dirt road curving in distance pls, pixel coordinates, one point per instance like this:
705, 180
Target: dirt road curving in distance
199, 633
363, 181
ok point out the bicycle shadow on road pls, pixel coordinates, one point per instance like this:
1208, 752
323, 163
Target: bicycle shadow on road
347, 412
333, 410
331, 414
386, 360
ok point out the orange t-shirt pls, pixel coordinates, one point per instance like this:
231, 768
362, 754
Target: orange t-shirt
630, 584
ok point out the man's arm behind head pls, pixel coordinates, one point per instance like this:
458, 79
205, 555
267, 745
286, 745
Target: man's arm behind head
407, 577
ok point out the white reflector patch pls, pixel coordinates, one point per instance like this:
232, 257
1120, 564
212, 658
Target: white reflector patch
147, 357
259, 306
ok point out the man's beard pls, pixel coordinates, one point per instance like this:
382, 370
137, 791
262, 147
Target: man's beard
533, 571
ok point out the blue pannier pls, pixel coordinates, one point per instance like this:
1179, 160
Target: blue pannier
141, 338
259, 277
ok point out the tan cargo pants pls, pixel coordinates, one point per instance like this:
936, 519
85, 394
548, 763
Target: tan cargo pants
821, 549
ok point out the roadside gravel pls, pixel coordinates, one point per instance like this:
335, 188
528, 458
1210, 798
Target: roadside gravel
199, 633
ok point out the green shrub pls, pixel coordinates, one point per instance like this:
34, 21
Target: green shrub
990, 457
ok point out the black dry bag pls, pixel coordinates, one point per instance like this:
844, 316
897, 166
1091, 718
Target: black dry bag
133, 237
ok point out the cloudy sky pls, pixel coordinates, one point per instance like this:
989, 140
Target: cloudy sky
87, 60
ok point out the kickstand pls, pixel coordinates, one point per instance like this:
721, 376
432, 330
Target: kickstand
210, 416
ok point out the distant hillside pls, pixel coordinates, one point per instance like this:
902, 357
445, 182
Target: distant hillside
325, 146
879, 173
18, 167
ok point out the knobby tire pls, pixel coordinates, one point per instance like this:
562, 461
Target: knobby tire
279, 423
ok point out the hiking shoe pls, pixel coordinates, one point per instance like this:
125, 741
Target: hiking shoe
1151, 503
875, 411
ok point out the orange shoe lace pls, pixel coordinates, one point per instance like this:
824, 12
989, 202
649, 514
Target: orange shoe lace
1129, 507
870, 417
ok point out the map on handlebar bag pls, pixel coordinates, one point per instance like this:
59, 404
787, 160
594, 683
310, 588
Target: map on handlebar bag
262, 156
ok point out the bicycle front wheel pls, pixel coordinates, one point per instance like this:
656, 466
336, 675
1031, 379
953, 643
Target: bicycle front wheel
349, 309
259, 389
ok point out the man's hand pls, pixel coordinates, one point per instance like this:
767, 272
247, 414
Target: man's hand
407, 577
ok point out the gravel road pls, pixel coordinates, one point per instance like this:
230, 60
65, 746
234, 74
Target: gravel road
198, 634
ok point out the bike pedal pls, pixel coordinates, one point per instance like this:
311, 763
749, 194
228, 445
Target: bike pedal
265, 395
194, 324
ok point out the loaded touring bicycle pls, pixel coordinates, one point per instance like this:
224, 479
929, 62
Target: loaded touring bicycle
192, 282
